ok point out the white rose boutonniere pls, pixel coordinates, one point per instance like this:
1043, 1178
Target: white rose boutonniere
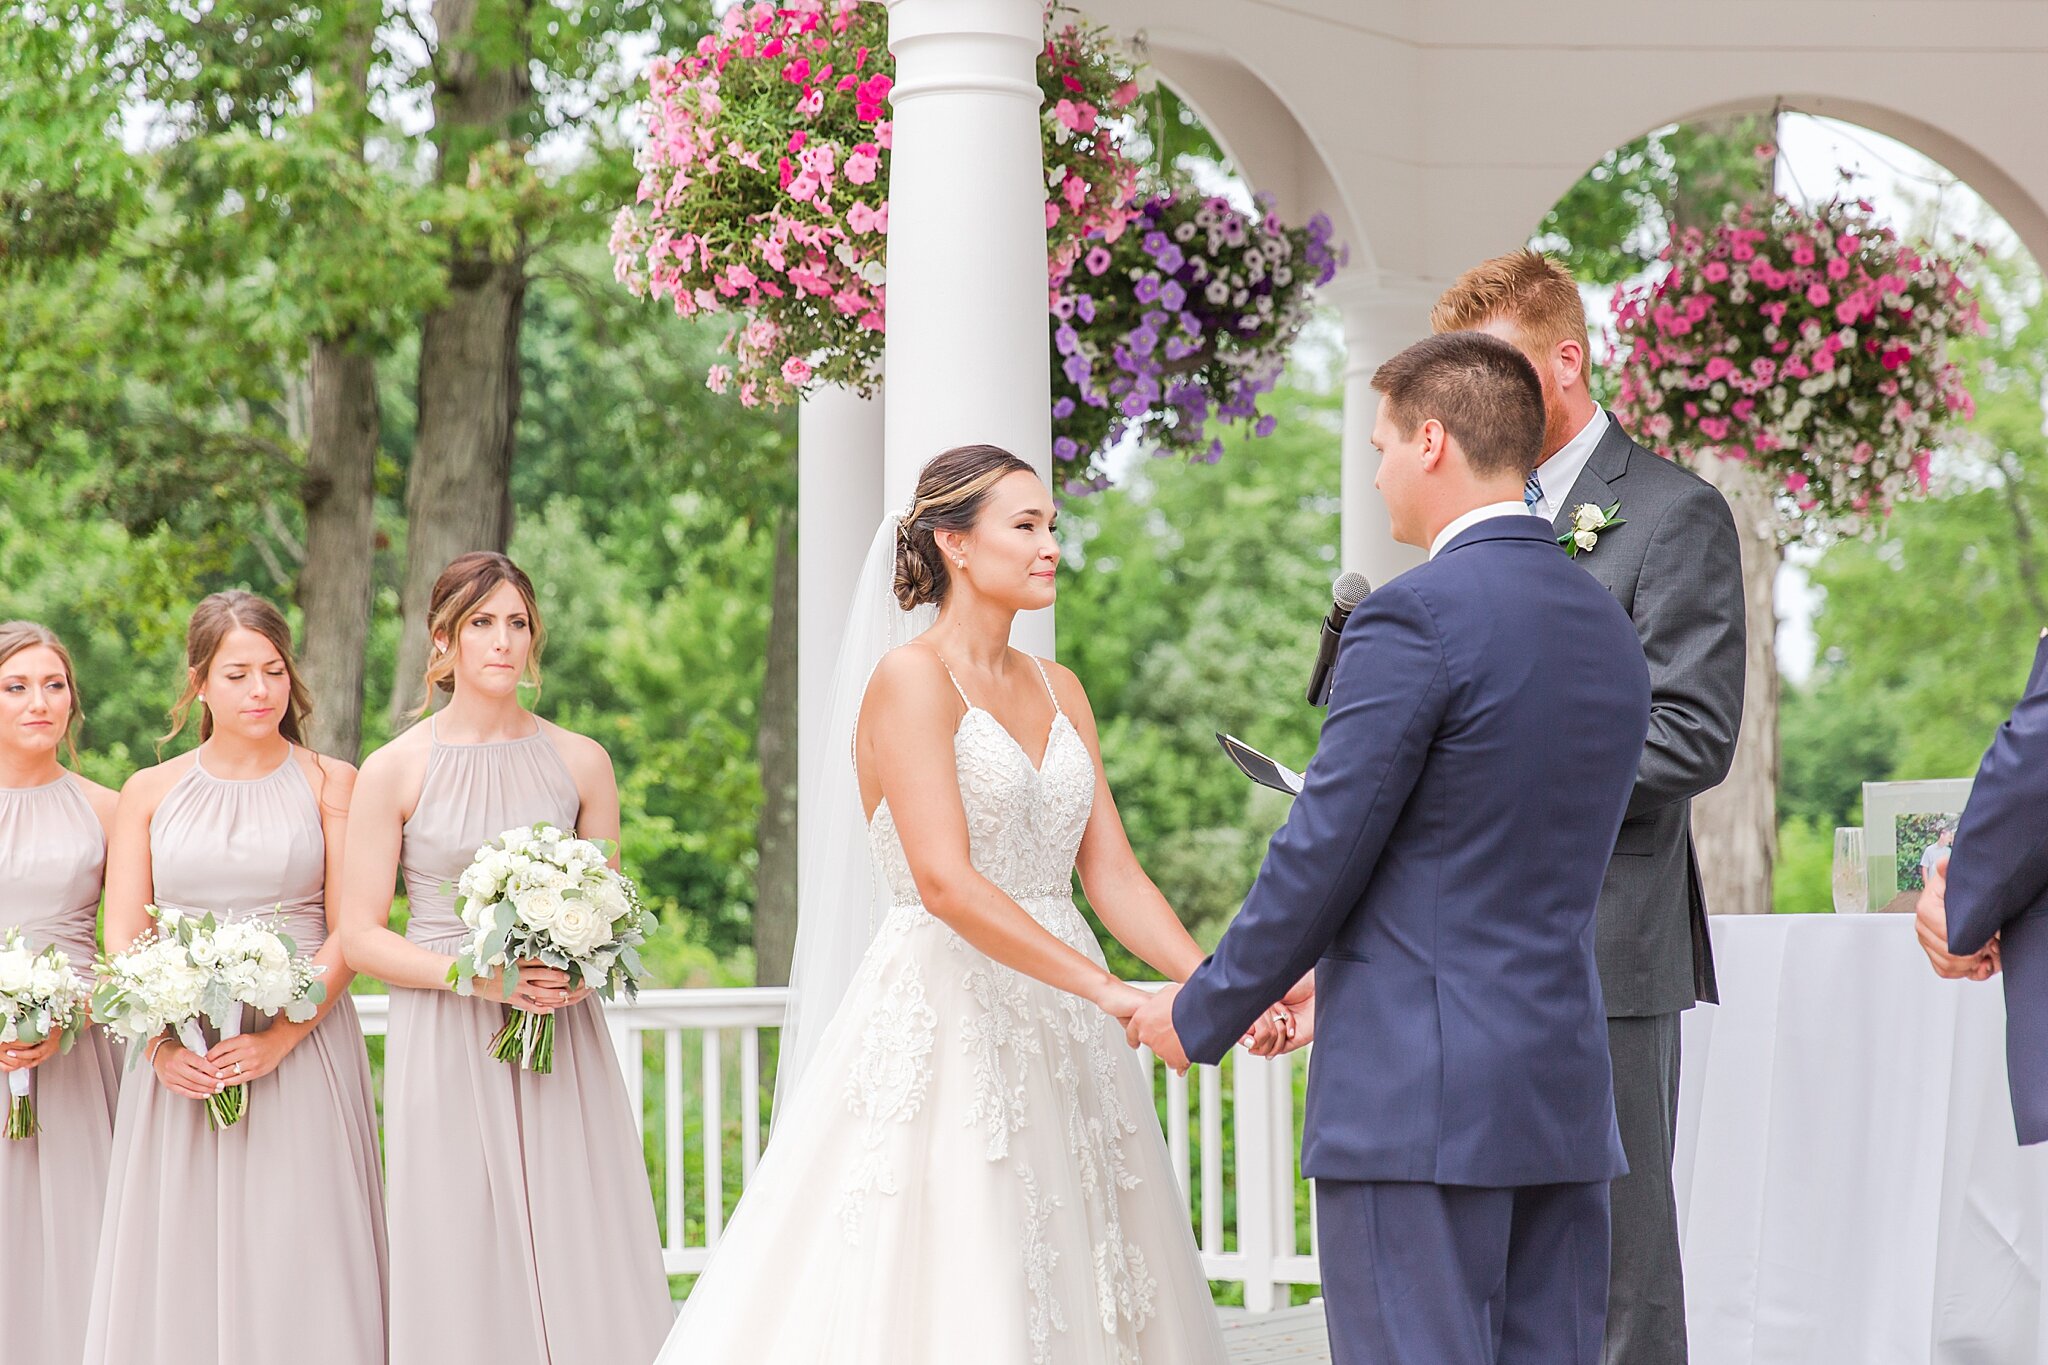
1588, 522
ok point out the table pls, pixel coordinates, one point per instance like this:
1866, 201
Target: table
1850, 1190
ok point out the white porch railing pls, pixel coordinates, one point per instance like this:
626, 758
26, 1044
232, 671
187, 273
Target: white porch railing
692, 1061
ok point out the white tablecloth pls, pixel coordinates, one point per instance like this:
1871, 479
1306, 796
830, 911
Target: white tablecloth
1849, 1187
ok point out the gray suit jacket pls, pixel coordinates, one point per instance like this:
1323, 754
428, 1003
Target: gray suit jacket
1676, 568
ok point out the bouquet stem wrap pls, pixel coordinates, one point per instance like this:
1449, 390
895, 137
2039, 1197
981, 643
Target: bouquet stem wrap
21, 1108
227, 1108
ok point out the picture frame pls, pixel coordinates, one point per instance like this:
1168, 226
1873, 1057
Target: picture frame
1905, 824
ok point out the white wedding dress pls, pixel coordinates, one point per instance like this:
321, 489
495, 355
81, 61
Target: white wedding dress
970, 1169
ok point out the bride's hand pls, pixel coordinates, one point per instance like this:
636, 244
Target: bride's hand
1270, 1032
1117, 999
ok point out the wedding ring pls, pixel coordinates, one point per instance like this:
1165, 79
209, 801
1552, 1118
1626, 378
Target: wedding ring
238, 1068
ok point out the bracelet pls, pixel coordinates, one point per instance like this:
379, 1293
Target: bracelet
155, 1045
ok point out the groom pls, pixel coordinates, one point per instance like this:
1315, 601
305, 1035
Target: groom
1440, 872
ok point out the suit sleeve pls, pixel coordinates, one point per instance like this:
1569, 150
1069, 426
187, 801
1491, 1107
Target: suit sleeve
1999, 867
1386, 702
1689, 615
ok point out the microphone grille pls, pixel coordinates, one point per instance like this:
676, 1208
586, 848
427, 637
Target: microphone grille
1349, 590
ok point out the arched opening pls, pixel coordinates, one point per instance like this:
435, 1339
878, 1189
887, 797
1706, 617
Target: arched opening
1866, 631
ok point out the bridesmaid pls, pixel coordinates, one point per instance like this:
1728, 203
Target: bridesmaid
265, 1241
53, 848
527, 1191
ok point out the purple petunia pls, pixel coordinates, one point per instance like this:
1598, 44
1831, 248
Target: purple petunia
1077, 370
1066, 340
1084, 307
1267, 425
1147, 290
1172, 295
1063, 409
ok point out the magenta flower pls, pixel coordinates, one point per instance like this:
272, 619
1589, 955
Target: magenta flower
1098, 260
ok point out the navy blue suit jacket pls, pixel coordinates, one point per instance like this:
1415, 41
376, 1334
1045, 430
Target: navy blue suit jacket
1998, 884
1441, 871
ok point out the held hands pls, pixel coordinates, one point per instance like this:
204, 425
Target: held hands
251, 1056
1289, 1025
26, 1057
1152, 1026
540, 989
184, 1072
1931, 920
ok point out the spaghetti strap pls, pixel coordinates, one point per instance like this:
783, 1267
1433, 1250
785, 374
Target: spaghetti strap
955, 681
1047, 680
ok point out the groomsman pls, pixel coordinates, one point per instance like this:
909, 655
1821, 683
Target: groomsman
1981, 906
1671, 558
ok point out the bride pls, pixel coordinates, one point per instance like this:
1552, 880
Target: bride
970, 1167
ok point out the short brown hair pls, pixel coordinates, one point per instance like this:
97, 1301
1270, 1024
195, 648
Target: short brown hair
1526, 288
17, 636
1483, 390
212, 619
460, 589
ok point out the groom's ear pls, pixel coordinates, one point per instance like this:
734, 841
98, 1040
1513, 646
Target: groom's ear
1434, 442
1568, 362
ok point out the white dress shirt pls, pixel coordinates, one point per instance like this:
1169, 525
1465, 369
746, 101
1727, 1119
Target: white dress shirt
1472, 519
1557, 474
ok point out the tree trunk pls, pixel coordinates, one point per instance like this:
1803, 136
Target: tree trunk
340, 489
340, 495
1736, 824
458, 492
775, 838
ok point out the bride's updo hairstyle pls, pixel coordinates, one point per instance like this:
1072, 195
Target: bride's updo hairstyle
950, 494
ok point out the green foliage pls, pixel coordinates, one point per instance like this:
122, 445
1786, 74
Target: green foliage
1611, 225
1188, 607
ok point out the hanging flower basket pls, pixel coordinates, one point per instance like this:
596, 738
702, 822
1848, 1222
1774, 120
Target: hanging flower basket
1812, 344
764, 184
1177, 328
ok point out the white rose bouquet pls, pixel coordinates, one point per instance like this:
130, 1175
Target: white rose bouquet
538, 894
191, 966
40, 996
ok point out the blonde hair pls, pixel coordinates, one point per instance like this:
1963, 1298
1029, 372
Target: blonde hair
16, 636
1532, 291
464, 584
211, 621
950, 493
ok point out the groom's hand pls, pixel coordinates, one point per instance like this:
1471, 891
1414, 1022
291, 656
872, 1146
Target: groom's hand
1152, 1026
1931, 914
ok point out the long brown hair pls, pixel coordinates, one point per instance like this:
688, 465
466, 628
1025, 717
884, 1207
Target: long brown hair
462, 586
16, 636
212, 619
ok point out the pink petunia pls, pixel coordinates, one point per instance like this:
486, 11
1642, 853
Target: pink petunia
860, 218
796, 371
1052, 214
1098, 260
862, 164
717, 378
1817, 295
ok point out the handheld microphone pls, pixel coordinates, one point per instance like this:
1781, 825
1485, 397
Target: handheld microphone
1345, 594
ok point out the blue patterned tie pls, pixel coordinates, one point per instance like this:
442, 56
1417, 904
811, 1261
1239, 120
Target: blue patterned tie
1532, 492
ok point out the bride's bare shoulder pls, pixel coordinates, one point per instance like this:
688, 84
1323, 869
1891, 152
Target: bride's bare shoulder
909, 675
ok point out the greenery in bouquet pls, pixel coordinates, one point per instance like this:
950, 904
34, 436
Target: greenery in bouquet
538, 894
40, 998
1812, 344
1176, 329
764, 184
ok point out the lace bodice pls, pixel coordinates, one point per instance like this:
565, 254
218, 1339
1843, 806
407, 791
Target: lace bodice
1024, 824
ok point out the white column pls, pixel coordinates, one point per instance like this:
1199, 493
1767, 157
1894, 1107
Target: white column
967, 355
838, 505
1381, 318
